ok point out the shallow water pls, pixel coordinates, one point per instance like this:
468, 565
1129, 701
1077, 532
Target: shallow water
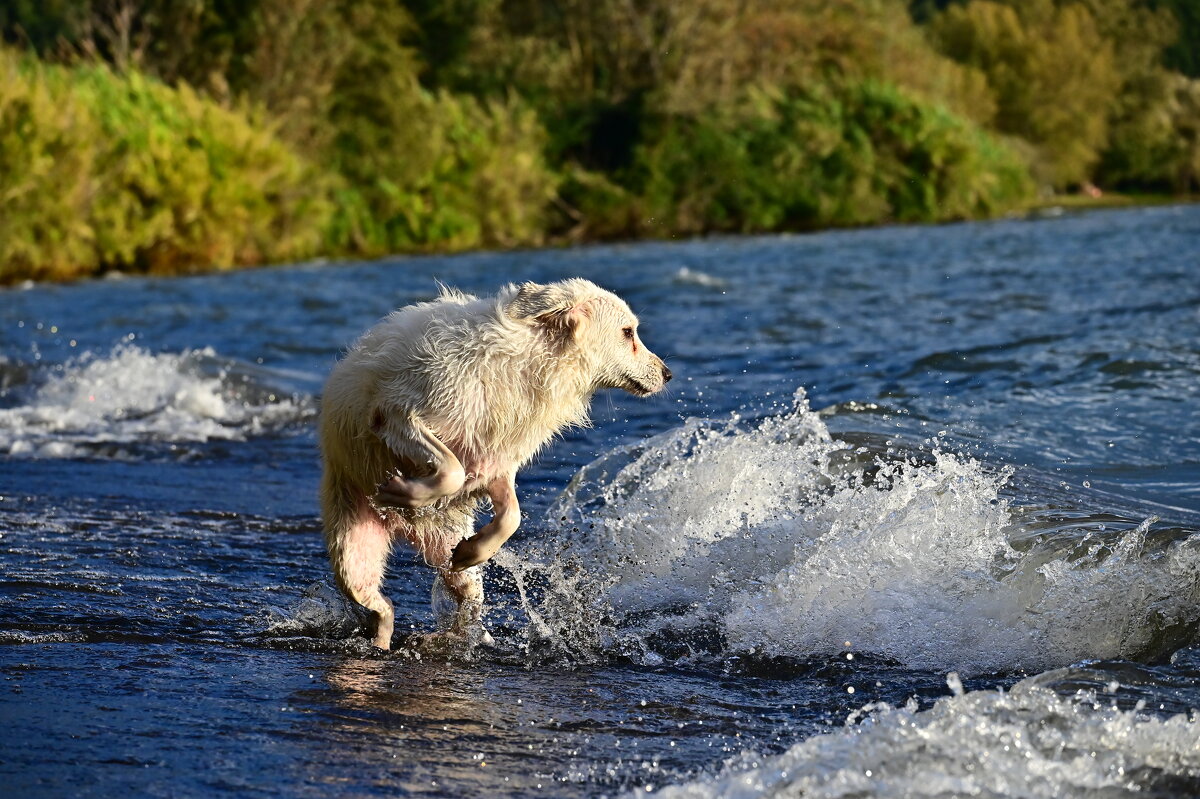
919, 517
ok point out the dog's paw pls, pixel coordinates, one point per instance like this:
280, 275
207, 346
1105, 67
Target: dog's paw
398, 492
466, 554
480, 547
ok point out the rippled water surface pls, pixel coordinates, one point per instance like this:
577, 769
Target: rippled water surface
920, 517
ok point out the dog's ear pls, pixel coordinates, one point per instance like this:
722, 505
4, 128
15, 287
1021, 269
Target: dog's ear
555, 306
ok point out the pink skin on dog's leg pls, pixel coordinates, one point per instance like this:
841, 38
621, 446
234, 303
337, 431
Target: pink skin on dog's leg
358, 564
506, 517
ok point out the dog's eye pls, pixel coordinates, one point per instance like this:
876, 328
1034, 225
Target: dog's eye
628, 333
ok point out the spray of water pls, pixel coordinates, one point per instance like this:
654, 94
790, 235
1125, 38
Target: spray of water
736, 538
1025, 742
100, 403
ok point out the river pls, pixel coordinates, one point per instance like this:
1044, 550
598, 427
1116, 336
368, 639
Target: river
919, 516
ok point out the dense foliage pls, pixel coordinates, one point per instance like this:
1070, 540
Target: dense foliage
179, 134
797, 159
101, 170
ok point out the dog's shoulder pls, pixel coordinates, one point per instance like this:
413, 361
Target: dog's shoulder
455, 329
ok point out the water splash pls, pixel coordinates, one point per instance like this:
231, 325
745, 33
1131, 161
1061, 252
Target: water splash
695, 277
774, 540
1026, 742
102, 404
321, 612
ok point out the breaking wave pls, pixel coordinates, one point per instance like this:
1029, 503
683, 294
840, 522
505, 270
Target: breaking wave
1027, 742
107, 405
776, 540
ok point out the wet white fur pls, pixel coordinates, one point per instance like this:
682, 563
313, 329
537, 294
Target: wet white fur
494, 379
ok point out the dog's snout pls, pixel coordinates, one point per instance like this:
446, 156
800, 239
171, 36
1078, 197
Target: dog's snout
666, 373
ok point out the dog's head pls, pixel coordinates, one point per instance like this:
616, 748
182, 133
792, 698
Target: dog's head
599, 325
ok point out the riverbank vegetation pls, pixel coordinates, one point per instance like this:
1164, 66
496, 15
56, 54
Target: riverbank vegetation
180, 135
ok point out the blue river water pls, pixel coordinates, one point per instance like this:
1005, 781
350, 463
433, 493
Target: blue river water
920, 516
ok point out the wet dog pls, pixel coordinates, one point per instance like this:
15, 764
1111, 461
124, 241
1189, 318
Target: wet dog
435, 409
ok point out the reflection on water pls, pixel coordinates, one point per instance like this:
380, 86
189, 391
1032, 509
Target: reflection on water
406, 729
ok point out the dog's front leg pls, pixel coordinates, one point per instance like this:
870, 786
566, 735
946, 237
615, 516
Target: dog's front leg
506, 517
417, 450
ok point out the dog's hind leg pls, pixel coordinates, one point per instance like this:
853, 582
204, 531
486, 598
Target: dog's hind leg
358, 551
431, 470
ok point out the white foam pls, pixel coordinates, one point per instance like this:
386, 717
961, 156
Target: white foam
695, 277
1026, 742
321, 611
755, 533
131, 396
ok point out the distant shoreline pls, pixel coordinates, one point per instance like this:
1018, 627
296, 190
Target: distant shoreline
1082, 202
190, 138
1041, 207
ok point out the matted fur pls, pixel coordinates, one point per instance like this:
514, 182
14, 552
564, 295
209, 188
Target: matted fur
493, 380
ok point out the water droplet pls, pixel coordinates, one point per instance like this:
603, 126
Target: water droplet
954, 683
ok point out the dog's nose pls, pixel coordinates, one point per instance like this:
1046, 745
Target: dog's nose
666, 373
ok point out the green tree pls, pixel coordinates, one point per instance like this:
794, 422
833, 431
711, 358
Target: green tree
1144, 142
1183, 55
1054, 75
850, 154
1185, 119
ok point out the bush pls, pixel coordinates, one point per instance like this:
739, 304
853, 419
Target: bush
47, 148
446, 172
838, 156
104, 171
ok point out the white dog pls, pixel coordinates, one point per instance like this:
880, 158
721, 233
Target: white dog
439, 405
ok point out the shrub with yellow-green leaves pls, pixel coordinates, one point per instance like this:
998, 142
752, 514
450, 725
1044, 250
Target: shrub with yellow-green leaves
47, 148
434, 170
103, 171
